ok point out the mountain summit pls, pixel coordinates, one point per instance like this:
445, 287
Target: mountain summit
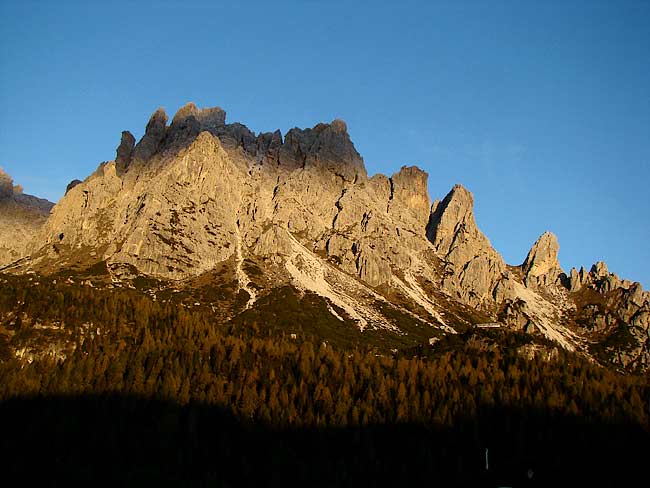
201, 199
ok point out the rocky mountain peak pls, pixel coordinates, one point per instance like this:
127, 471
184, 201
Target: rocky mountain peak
409, 188
473, 268
451, 217
124, 152
599, 269
185, 112
6, 185
541, 266
325, 147
157, 121
153, 135
205, 117
339, 126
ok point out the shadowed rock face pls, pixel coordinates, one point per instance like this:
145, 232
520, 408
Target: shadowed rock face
325, 147
206, 118
153, 136
124, 151
71, 185
6, 186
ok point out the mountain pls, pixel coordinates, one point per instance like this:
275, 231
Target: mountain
21, 216
240, 222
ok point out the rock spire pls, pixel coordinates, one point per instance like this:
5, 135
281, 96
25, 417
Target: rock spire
541, 266
473, 267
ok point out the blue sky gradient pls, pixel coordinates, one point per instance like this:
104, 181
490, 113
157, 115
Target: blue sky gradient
541, 109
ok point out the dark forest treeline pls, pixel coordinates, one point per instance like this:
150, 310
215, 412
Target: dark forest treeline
248, 386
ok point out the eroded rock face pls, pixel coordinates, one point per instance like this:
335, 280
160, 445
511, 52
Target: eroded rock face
326, 147
206, 118
312, 182
6, 186
147, 209
598, 278
473, 267
21, 217
124, 152
71, 185
179, 222
153, 136
409, 193
577, 279
199, 192
541, 267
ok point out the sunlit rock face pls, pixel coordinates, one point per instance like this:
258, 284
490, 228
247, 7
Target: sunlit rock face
199, 192
21, 216
473, 267
541, 267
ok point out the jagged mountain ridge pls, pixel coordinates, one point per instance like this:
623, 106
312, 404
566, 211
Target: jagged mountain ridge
197, 193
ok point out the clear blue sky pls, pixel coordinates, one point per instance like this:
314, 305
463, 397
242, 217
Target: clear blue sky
542, 109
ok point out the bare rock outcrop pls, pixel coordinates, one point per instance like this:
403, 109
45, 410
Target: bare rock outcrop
268, 146
21, 217
179, 222
6, 186
541, 267
124, 152
326, 147
598, 278
206, 118
71, 185
312, 183
234, 136
153, 136
577, 279
472, 267
410, 196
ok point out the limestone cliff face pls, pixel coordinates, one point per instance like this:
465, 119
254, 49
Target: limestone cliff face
21, 217
153, 136
472, 266
380, 226
177, 222
541, 267
124, 152
198, 192
188, 195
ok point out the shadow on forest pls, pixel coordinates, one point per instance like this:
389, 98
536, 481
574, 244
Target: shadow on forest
135, 441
